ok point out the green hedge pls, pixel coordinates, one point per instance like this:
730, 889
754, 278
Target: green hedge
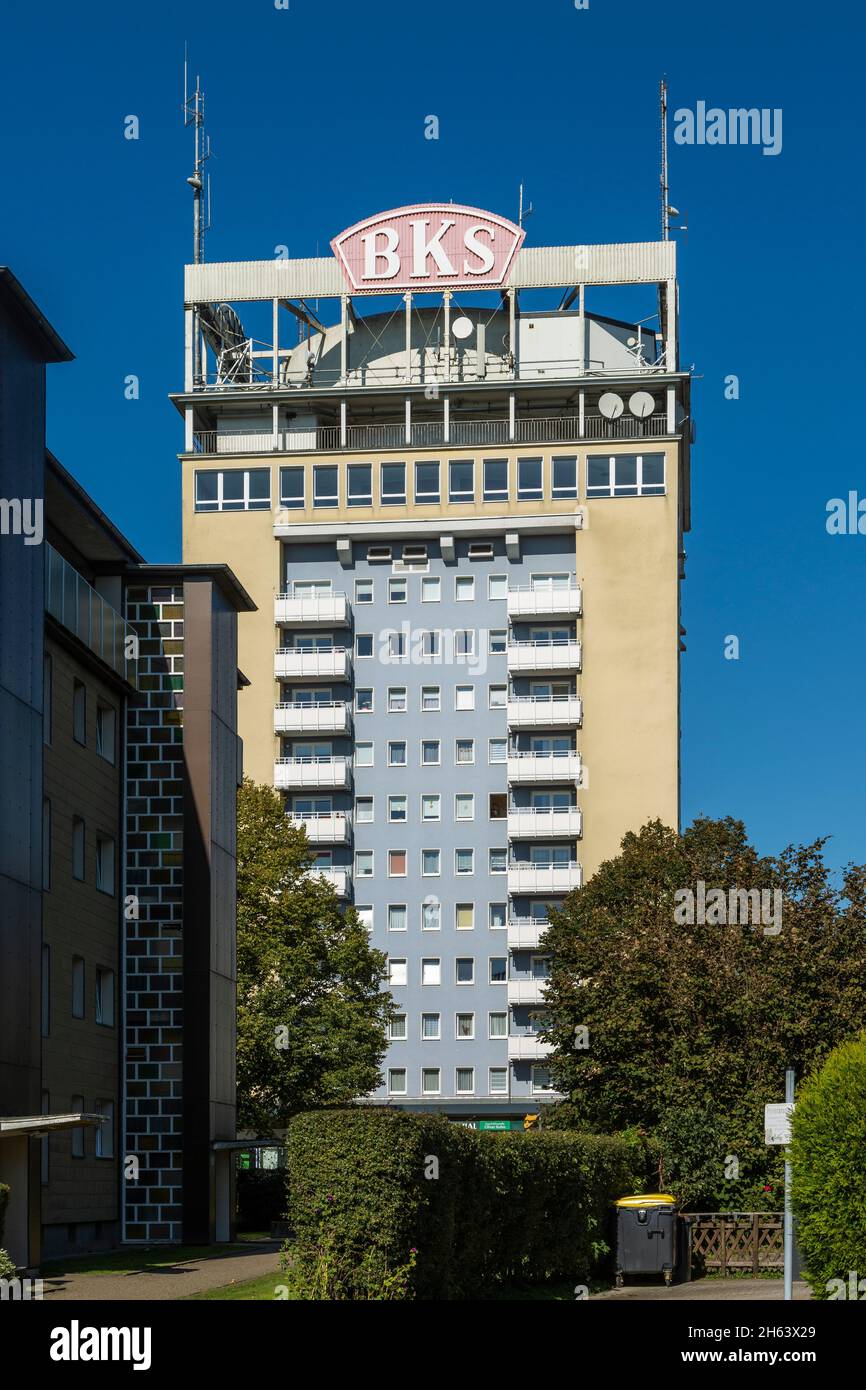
828, 1175
4, 1202
261, 1198
505, 1208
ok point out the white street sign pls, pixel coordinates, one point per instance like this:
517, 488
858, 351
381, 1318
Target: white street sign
777, 1124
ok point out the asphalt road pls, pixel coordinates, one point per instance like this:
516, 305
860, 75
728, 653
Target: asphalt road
171, 1281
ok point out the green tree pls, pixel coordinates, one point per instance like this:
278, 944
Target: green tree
702, 1018
312, 1013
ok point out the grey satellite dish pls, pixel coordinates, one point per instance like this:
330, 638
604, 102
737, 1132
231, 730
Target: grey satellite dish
462, 327
506, 341
641, 404
611, 405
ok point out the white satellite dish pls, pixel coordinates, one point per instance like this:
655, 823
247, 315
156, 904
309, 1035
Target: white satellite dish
462, 327
611, 405
641, 404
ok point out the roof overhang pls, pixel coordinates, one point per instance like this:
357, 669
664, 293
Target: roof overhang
38, 1126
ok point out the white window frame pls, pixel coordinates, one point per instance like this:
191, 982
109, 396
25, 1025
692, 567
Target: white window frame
457, 798
397, 743
405, 854
405, 910
431, 873
497, 1013
398, 1090
365, 744
424, 762
457, 907
431, 581
431, 709
464, 1037
438, 797
357, 871
493, 580
463, 1091
430, 1037
361, 584
464, 762
464, 984
398, 960
464, 709
462, 581
398, 796
431, 960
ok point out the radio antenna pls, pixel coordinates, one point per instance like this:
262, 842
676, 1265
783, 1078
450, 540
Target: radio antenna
193, 115
663, 113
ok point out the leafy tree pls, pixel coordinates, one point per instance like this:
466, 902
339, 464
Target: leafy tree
312, 1013
700, 1019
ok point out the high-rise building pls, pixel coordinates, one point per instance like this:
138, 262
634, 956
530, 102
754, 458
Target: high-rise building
457, 495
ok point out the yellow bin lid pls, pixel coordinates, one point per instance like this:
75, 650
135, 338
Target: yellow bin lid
648, 1199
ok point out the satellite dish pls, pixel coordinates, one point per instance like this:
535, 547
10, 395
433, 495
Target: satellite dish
641, 404
506, 341
631, 342
611, 405
462, 327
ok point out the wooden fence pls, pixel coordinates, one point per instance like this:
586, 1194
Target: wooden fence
728, 1241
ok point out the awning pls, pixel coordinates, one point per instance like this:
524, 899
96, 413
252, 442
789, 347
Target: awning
38, 1126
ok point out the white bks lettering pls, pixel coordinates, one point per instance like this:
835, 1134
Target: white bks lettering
422, 247
484, 253
387, 253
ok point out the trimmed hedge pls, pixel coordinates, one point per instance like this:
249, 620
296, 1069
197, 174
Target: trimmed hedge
261, 1198
505, 1208
828, 1170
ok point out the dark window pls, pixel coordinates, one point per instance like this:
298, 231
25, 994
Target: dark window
529, 478
393, 483
292, 487
495, 480
564, 476
426, 482
360, 485
461, 480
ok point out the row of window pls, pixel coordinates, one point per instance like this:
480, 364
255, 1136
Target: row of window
431, 862
431, 587
431, 751
104, 862
431, 916
431, 806
464, 1081
103, 992
106, 716
464, 970
607, 475
103, 1143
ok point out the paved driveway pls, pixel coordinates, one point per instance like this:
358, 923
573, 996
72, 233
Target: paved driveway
171, 1281
707, 1291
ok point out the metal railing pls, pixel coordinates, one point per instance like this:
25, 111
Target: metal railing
82, 611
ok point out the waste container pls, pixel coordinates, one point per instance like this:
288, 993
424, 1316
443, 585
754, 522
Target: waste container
647, 1236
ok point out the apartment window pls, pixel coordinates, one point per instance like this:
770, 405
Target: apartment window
363, 863
397, 808
496, 916
365, 916
105, 864
78, 848
397, 917
397, 970
541, 967
363, 809
464, 806
363, 754
496, 480
497, 750
461, 480
77, 1135
464, 642
397, 1081
431, 860
498, 861
359, 485
431, 588
426, 482
105, 1131
464, 1026
44, 1153
46, 844
105, 997
291, 488
396, 863
397, 652
541, 1081
564, 481
625, 475
465, 1080
529, 480
431, 1029
431, 698
47, 697
78, 986
464, 697
497, 1025
233, 490
498, 1081
364, 700
363, 591
430, 1082
497, 586
430, 752
325, 485
497, 806
464, 750
464, 861
398, 589
497, 640
397, 753
464, 970
397, 699
464, 588
397, 1030
106, 732
431, 644
79, 712
393, 478
431, 970
46, 992
497, 696
431, 915
363, 644
498, 970
464, 916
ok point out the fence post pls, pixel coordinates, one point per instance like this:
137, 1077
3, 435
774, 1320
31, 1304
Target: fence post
756, 1227
723, 1247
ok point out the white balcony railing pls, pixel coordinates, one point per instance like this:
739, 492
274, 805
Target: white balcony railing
326, 717
558, 766
324, 827
339, 879
525, 933
526, 991
564, 655
544, 878
298, 774
529, 822
528, 1048
324, 663
322, 610
537, 712
545, 601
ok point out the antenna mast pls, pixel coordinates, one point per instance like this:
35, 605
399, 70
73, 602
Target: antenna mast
193, 115
663, 111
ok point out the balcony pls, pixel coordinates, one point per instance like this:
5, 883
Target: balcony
544, 657
328, 717
528, 1048
320, 610
557, 766
545, 601
525, 933
526, 991
339, 879
535, 712
77, 606
529, 823
311, 774
302, 664
544, 878
324, 827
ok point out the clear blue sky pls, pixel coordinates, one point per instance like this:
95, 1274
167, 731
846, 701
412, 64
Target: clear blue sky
317, 116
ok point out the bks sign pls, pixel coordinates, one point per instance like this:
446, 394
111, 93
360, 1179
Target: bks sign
431, 246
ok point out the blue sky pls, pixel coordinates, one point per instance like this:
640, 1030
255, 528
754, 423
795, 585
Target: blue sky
317, 117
